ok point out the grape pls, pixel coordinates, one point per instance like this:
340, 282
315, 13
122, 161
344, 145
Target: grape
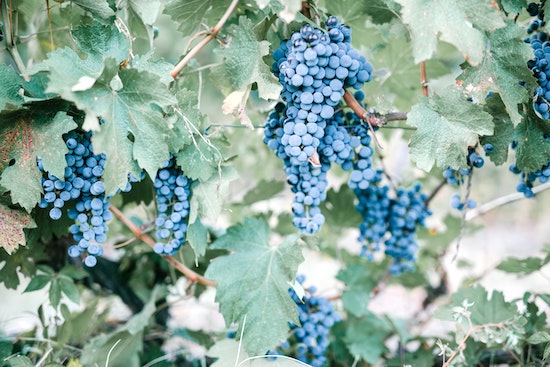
311, 337
172, 197
81, 183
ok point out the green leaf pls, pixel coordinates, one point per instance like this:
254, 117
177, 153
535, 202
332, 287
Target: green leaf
339, 202
38, 282
512, 6
199, 162
264, 190
24, 141
114, 350
244, 65
208, 196
533, 150
128, 110
228, 353
11, 82
139, 321
190, 13
451, 21
146, 10
521, 267
21, 262
365, 337
73, 272
447, 125
12, 223
69, 289
197, 235
99, 8
486, 308
158, 67
20, 361
500, 70
101, 42
539, 337
360, 280
55, 293
253, 282
503, 133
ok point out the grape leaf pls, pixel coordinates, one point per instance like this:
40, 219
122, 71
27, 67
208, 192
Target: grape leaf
339, 202
502, 67
23, 261
253, 282
197, 235
365, 337
243, 64
190, 13
159, 67
199, 162
122, 98
146, 10
447, 125
23, 141
11, 84
533, 150
102, 41
522, 267
207, 196
12, 222
264, 190
503, 133
99, 8
452, 21
486, 308
360, 281
512, 6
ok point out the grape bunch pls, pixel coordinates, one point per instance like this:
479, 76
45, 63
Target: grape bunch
456, 177
307, 131
539, 65
172, 189
309, 340
393, 220
82, 183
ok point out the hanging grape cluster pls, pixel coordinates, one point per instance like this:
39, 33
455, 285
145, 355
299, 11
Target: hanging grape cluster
82, 186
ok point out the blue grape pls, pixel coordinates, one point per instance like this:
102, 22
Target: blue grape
82, 184
173, 192
309, 341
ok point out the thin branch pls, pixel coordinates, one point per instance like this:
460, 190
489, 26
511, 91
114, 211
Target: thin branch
214, 32
436, 191
7, 18
474, 213
423, 79
190, 274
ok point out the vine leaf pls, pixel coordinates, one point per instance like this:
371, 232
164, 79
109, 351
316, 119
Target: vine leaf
504, 130
101, 42
447, 125
501, 69
22, 142
251, 279
12, 223
452, 21
11, 84
533, 150
287, 10
208, 196
190, 13
99, 8
243, 63
365, 336
513, 6
197, 235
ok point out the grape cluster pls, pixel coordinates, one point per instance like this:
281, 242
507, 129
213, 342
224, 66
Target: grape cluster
308, 132
528, 180
309, 340
393, 220
172, 189
539, 65
82, 183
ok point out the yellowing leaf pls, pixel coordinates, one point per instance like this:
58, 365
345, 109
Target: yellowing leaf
12, 223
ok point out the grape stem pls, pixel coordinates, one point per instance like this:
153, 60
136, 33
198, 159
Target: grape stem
423, 79
6, 11
190, 274
212, 34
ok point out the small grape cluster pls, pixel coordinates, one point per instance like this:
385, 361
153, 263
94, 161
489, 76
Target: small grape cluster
456, 177
307, 131
393, 220
1, 31
82, 183
173, 191
539, 65
528, 180
309, 340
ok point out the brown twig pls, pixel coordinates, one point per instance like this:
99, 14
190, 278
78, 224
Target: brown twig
436, 191
423, 79
190, 274
213, 33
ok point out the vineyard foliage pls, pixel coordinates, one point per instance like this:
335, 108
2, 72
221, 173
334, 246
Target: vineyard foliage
156, 153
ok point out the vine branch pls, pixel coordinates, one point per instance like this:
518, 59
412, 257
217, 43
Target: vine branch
6, 11
190, 274
423, 79
213, 33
